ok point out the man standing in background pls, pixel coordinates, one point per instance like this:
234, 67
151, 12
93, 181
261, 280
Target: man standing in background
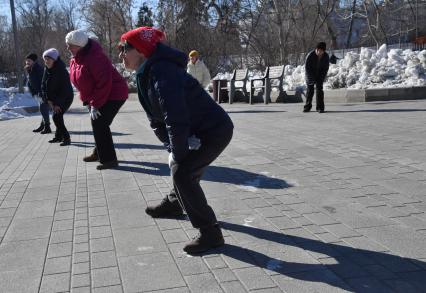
316, 68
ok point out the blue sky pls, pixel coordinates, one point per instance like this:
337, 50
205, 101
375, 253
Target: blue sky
5, 6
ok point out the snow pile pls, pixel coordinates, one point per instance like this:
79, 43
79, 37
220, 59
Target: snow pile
12, 103
370, 69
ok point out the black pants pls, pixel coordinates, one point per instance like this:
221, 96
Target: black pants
319, 96
58, 118
102, 132
187, 174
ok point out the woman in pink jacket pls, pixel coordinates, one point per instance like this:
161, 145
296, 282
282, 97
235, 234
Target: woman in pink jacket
102, 89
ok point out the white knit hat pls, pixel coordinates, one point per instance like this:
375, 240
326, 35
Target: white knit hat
77, 37
52, 53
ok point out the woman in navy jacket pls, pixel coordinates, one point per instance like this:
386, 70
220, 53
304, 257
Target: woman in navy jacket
57, 90
186, 120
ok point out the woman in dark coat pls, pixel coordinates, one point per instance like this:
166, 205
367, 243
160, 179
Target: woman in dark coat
57, 90
184, 117
35, 76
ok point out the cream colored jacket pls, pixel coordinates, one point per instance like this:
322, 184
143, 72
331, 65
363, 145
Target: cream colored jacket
200, 72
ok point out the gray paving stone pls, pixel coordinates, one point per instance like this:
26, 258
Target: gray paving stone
59, 249
313, 281
35, 209
55, 283
191, 265
103, 259
21, 281
26, 229
203, 283
57, 265
19, 255
100, 232
80, 280
138, 271
81, 268
136, 241
101, 244
233, 286
254, 278
129, 218
61, 236
105, 277
109, 289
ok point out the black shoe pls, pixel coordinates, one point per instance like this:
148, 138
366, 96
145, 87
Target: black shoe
107, 165
208, 238
306, 110
55, 139
65, 142
166, 209
40, 128
320, 111
91, 158
46, 129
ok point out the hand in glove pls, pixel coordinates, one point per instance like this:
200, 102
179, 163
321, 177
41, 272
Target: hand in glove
194, 142
94, 113
171, 160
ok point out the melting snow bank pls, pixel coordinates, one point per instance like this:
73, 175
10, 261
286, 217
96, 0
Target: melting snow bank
13, 104
368, 69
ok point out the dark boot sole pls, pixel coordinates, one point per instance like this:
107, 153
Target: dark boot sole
203, 250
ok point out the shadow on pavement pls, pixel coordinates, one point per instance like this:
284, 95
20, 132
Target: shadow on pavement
379, 111
213, 174
252, 111
91, 133
121, 145
346, 262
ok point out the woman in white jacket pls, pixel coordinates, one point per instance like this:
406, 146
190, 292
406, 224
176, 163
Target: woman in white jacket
198, 69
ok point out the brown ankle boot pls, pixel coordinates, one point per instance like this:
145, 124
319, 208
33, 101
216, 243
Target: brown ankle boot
91, 158
208, 238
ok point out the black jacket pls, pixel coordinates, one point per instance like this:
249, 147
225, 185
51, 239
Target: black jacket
35, 76
316, 69
56, 86
176, 104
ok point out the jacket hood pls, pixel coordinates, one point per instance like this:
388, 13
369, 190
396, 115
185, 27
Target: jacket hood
165, 53
92, 47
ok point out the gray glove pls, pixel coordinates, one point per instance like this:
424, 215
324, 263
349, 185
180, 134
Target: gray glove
39, 98
194, 142
171, 160
94, 113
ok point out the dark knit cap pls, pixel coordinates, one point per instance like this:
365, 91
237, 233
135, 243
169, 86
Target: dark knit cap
321, 45
31, 56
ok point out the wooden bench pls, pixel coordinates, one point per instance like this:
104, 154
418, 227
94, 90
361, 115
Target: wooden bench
271, 73
239, 75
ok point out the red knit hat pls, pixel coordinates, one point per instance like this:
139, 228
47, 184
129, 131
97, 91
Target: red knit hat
144, 39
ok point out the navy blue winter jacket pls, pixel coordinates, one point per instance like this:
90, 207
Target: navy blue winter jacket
316, 69
56, 85
35, 75
175, 103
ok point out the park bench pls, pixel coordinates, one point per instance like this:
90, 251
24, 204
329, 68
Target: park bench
271, 73
237, 81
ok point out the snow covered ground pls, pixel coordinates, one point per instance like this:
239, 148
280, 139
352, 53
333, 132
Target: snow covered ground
12, 103
369, 69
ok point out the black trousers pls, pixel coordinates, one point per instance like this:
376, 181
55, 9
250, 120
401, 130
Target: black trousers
186, 176
102, 133
58, 119
319, 96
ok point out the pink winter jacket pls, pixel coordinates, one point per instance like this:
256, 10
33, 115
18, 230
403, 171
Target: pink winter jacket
93, 75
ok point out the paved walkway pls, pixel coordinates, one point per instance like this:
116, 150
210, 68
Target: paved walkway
332, 202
